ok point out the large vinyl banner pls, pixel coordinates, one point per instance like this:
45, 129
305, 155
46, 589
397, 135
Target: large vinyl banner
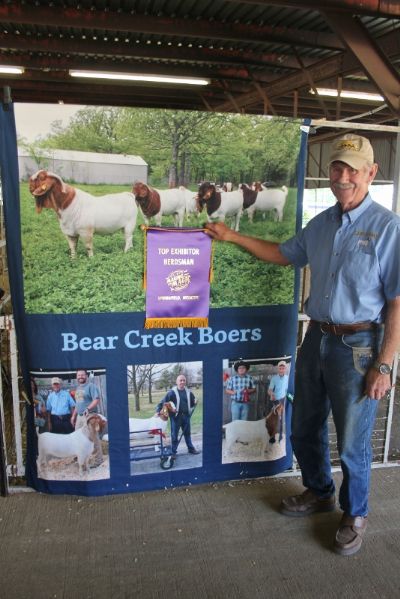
117, 407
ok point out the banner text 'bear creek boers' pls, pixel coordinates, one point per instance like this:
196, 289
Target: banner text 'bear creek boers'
135, 339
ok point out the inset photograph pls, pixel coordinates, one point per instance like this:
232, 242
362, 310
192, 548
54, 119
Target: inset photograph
254, 403
165, 416
70, 421
81, 211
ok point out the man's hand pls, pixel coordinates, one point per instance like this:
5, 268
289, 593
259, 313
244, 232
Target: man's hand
377, 385
219, 231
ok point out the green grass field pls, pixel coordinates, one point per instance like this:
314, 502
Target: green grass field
111, 281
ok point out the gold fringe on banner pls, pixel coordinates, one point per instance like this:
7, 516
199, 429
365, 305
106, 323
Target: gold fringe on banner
211, 272
172, 323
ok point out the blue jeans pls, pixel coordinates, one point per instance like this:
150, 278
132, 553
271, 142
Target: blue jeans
240, 411
330, 374
181, 421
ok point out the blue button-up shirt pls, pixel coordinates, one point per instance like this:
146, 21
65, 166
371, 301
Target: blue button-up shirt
354, 259
60, 403
279, 385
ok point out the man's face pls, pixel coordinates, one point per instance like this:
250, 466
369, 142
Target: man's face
281, 370
81, 377
181, 381
241, 370
349, 185
56, 387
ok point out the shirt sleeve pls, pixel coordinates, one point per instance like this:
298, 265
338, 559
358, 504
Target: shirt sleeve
94, 392
295, 250
271, 385
389, 262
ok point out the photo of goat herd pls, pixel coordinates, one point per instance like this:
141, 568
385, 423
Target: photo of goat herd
86, 188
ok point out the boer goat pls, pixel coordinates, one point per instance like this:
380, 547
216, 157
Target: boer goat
80, 214
220, 204
78, 444
145, 427
157, 202
274, 422
245, 431
264, 200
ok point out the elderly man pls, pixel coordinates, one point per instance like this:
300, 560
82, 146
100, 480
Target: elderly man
345, 362
59, 406
278, 385
184, 402
277, 391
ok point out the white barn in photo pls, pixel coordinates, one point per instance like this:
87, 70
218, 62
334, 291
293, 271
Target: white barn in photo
84, 167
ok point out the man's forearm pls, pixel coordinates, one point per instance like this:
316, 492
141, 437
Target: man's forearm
391, 338
377, 384
262, 249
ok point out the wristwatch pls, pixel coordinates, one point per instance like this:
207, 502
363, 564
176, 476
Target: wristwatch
383, 368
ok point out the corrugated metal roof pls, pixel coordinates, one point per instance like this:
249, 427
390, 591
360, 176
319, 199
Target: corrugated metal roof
261, 57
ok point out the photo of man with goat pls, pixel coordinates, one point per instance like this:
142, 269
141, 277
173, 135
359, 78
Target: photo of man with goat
79, 452
259, 434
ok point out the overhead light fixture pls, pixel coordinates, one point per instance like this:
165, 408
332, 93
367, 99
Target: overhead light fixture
354, 95
139, 77
6, 70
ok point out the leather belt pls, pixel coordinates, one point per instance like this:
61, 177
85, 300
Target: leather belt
343, 329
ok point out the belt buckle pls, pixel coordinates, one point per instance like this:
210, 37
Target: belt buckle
325, 327
334, 329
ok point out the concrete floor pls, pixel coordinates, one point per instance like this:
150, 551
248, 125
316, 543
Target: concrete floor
216, 541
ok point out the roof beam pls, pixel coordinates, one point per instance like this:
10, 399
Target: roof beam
377, 8
324, 69
64, 64
18, 13
372, 59
162, 52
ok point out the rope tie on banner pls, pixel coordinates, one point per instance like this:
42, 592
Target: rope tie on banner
144, 229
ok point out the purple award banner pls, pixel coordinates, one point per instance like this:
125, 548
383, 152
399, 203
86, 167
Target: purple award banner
177, 278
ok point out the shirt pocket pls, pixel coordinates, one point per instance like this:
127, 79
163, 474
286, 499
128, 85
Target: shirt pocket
360, 268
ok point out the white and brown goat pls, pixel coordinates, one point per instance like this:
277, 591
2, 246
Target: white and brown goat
81, 214
79, 444
220, 204
159, 202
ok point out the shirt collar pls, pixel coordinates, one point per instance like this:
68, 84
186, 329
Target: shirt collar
352, 215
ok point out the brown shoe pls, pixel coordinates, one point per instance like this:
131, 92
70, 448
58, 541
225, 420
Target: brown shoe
349, 535
306, 503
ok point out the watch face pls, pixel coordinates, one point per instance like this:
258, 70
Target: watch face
384, 368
